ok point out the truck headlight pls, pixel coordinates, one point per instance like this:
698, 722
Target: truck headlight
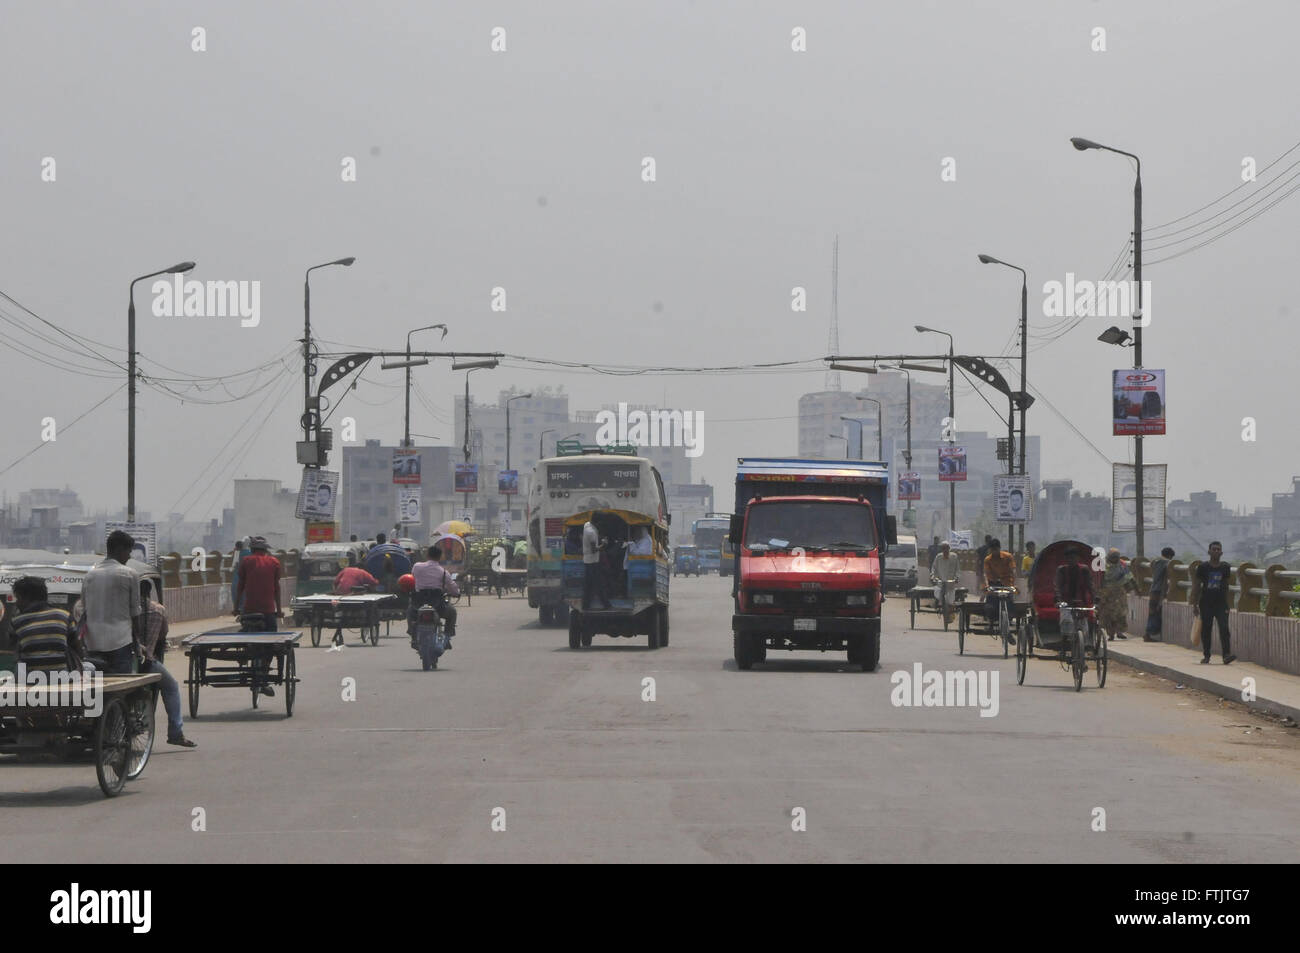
857, 599
761, 599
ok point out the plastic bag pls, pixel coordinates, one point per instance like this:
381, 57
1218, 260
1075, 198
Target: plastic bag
1196, 631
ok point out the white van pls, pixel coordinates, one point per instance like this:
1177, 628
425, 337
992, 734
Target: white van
901, 563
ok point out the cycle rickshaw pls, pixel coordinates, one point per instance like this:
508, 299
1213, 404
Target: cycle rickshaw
1066, 634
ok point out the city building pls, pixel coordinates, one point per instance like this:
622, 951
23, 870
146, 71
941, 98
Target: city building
368, 496
265, 508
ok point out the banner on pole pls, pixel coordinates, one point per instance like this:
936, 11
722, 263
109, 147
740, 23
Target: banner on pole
1013, 499
909, 486
406, 467
146, 540
317, 495
1124, 497
952, 464
408, 504
1138, 397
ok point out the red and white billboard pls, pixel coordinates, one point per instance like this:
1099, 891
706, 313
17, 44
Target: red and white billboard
1138, 402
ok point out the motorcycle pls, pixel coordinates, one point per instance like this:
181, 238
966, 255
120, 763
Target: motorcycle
430, 639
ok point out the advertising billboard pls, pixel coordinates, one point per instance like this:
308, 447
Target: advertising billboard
1013, 499
406, 467
1138, 402
318, 495
909, 486
952, 464
466, 478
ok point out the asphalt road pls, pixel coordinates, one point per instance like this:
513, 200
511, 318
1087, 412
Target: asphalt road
561, 746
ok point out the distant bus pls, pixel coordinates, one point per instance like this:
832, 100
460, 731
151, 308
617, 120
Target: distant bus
710, 537
580, 479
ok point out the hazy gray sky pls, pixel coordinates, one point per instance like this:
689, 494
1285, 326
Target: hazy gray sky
522, 169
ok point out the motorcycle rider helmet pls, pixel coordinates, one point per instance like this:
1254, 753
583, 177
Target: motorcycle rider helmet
406, 583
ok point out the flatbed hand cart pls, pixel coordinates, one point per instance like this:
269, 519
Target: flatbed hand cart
242, 660
364, 611
1065, 634
507, 580
120, 733
971, 618
918, 596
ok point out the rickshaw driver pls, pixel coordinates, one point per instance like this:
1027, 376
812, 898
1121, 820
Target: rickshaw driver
999, 570
944, 570
1073, 583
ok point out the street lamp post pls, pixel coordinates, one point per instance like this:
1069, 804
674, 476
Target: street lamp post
907, 454
311, 415
406, 428
180, 269
1024, 335
540, 448
840, 436
880, 446
952, 423
508, 400
1081, 145
469, 368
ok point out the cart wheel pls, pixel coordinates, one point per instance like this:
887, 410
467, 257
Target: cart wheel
194, 680
374, 634
289, 674
255, 691
111, 748
315, 636
141, 710
961, 632
587, 633
1102, 653
1004, 628
575, 630
1022, 659
1078, 661
911, 624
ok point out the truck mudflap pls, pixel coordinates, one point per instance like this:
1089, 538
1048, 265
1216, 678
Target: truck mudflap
811, 625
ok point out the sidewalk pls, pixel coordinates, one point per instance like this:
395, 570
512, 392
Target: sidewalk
1275, 692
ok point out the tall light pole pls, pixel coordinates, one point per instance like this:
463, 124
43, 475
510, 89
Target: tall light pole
840, 436
952, 414
180, 269
880, 446
310, 422
406, 429
540, 437
907, 454
1081, 145
469, 368
508, 400
1024, 336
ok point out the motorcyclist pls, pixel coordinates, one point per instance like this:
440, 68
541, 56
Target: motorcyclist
432, 586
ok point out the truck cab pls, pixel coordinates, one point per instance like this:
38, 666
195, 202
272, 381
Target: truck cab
809, 538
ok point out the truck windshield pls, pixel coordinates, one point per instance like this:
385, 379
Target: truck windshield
810, 526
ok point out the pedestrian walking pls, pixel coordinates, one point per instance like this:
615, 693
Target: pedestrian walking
1112, 608
1210, 602
1027, 562
153, 644
1156, 598
932, 551
593, 579
112, 607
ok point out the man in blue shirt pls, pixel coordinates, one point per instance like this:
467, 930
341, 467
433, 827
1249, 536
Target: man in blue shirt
1210, 589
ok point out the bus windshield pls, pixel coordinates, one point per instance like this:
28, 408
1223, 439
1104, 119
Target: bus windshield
812, 525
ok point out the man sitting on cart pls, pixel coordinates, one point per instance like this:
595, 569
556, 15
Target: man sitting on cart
1073, 584
999, 570
352, 577
432, 586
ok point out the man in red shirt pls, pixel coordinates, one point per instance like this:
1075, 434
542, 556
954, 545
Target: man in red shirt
351, 577
259, 584
259, 593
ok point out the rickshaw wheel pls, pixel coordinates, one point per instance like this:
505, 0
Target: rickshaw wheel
1102, 652
961, 632
1022, 661
1004, 627
575, 631
194, 685
111, 748
289, 672
142, 710
1077, 662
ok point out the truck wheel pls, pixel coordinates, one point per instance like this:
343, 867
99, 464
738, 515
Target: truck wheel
560, 614
663, 627
870, 658
575, 631
544, 615
743, 650
656, 627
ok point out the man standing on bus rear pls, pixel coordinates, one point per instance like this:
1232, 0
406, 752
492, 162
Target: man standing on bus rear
593, 580
112, 600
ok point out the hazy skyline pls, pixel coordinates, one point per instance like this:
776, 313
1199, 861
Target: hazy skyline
522, 170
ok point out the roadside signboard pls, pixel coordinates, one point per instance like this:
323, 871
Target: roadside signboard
1013, 500
146, 540
952, 464
466, 478
317, 495
1138, 402
1124, 497
406, 467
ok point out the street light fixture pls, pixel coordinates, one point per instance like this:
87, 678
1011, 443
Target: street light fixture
1024, 335
469, 367
850, 367
1082, 144
527, 396
952, 414
540, 447
179, 269
880, 446
308, 422
408, 364
1114, 335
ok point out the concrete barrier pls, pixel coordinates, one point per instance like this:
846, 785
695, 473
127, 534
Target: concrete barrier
1271, 641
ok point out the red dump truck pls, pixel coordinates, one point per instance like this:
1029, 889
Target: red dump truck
809, 538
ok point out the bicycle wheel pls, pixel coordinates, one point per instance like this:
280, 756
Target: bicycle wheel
1077, 662
1022, 658
961, 632
1004, 626
1102, 661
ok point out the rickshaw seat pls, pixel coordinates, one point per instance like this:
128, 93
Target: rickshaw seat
1045, 608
